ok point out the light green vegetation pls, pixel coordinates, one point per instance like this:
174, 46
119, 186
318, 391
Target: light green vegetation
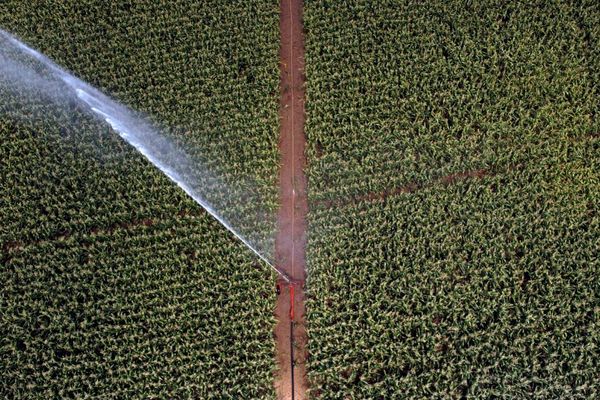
113, 283
480, 276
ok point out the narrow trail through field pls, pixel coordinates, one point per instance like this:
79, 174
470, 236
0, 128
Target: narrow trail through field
446, 180
290, 244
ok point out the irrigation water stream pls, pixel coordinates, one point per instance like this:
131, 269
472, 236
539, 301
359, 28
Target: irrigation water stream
26, 70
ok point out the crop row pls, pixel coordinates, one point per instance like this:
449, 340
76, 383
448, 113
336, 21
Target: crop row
155, 310
114, 284
207, 79
453, 176
437, 88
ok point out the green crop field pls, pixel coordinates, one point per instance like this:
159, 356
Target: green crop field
454, 187
113, 283
453, 153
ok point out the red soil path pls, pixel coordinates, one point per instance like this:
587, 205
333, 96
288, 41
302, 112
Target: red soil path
290, 243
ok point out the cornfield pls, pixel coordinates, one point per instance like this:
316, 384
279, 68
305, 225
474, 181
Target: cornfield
114, 283
454, 188
453, 245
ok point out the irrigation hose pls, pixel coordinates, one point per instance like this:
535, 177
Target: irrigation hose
292, 340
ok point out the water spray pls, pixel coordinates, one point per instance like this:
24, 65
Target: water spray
136, 130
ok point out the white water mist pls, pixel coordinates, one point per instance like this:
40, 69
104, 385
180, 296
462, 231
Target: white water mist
47, 79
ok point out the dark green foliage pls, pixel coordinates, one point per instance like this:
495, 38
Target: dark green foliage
206, 70
113, 284
480, 276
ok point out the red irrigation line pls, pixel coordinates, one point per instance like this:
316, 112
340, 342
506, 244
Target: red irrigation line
292, 363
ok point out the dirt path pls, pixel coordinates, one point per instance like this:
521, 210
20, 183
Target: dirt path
445, 180
290, 243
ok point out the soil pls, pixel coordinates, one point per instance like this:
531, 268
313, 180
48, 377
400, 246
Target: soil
372, 197
290, 242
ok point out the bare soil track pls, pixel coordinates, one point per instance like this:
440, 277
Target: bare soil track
446, 180
290, 242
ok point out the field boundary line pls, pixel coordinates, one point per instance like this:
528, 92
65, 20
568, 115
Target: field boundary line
290, 242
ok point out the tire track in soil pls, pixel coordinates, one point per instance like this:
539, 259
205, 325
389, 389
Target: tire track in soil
446, 180
290, 243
